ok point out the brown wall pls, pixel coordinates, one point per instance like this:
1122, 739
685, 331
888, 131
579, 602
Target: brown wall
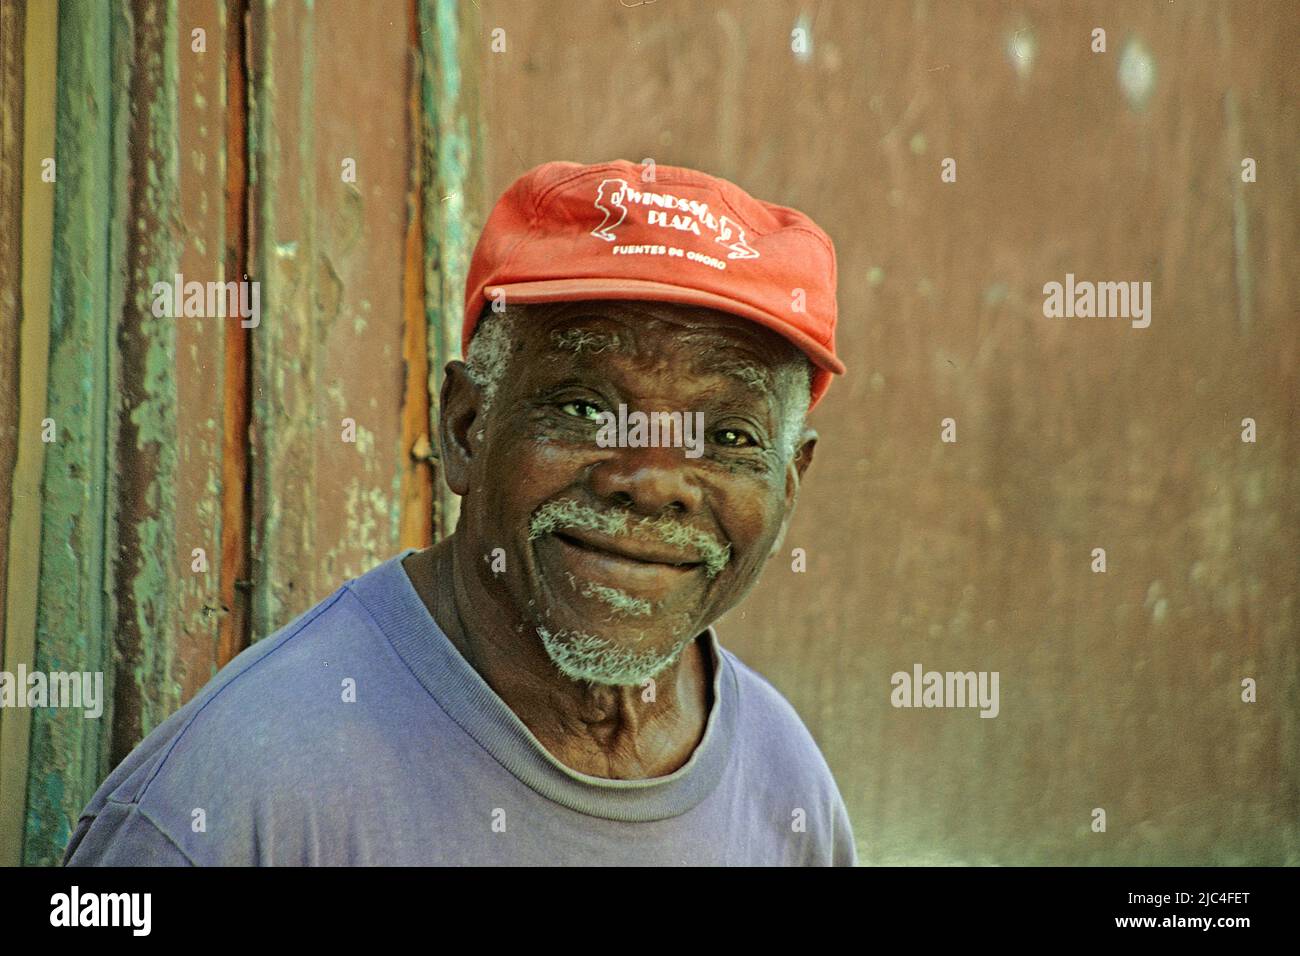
1119, 690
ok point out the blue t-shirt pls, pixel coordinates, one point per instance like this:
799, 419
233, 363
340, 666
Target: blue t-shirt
358, 735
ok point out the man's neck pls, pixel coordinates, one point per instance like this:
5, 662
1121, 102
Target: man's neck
598, 730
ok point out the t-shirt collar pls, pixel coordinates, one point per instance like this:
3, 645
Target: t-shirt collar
434, 660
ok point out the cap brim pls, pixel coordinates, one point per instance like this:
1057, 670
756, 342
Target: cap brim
581, 290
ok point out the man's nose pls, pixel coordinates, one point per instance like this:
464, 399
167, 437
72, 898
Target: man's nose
648, 481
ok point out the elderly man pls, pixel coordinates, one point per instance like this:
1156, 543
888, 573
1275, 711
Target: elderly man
545, 685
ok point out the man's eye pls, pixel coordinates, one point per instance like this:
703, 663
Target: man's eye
734, 438
580, 408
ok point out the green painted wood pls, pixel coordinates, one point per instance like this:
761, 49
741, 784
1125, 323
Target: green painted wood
454, 190
281, 143
133, 485
147, 572
167, 493
151, 570
68, 752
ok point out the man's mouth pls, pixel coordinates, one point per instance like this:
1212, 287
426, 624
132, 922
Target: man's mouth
643, 568
628, 550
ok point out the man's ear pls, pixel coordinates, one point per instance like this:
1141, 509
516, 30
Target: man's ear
804, 456
793, 477
458, 409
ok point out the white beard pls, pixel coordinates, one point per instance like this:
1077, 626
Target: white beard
588, 657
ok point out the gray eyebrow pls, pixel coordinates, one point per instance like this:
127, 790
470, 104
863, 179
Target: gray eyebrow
712, 356
745, 371
579, 340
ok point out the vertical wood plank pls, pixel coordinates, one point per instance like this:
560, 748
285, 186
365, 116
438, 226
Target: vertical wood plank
146, 572
200, 345
236, 486
12, 40
167, 497
330, 254
361, 116
420, 475
74, 611
454, 187
285, 366
13, 503
39, 82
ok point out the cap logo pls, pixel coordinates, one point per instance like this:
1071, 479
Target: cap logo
615, 198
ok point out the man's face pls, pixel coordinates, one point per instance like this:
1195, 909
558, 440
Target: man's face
618, 556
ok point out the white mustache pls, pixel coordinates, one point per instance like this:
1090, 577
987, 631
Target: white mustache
557, 515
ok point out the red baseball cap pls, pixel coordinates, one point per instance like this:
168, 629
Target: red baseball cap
565, 232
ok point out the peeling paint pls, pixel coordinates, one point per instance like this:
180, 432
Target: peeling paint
451, 145
73, 607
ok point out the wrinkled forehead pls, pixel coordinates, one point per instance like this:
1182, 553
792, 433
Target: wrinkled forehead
704, 338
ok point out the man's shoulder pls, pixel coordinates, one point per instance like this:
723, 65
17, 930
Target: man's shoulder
296, 673
784, 770
263, 676
769, 722
269, 726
